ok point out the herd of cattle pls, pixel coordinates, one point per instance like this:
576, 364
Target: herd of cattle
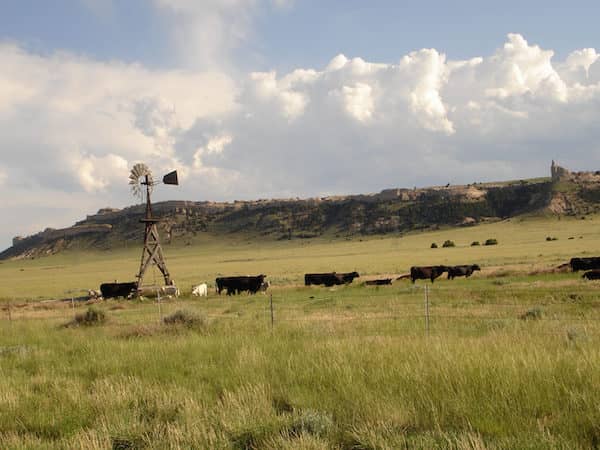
253, 284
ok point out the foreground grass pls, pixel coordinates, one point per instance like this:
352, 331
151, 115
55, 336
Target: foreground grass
85, 390
349, 368
511, 359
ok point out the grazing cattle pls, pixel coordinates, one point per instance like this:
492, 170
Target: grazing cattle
348, 277
592, 275
235, 285
462, 271
94, 294
590, 263
264, 286
426, 272
380, 282
114, 290
329, 278
200, 291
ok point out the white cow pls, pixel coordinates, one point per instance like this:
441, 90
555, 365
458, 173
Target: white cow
200, 291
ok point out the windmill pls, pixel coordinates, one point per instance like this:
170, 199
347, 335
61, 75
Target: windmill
141, 182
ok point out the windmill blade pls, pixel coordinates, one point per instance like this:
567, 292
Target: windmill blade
137, 178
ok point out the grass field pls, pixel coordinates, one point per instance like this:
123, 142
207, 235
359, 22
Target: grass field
510, 359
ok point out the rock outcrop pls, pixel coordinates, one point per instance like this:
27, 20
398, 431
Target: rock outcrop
389, 211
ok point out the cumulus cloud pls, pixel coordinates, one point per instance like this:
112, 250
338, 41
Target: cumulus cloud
74, 126
206, 31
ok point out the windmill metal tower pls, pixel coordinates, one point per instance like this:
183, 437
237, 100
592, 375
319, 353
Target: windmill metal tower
141, 180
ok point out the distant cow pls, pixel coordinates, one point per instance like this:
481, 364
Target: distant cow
348, 277
94, 294
235, 285
462, 271
380, 282
592, 275
264, 286
329, 278
114, 290
426, 272
590, 263
200, 291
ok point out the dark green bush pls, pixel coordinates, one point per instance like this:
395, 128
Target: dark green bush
474, 243
93, 316
448, 243
491, 242
434, 245
186, 319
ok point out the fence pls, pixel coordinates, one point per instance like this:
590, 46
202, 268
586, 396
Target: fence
420, 309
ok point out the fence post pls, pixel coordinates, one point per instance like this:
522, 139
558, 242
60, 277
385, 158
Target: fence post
159, 309
73, 306
272, 317
9, 314
427, 309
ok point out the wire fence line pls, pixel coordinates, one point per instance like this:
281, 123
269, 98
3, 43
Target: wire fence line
424, 310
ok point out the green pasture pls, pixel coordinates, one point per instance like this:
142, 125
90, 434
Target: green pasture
522, 248
509, 358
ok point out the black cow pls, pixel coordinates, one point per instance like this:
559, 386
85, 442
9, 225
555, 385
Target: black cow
380, 282
329, 278
235, 285
462, 271
114, 290
590, 263
347, 277
426, 272
592, 275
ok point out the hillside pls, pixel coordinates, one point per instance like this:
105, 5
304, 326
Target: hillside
390, 211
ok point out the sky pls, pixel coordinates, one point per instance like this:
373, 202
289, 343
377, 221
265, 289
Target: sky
255, 99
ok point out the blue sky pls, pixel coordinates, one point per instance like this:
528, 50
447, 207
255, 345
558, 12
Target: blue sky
284, 98
305, 33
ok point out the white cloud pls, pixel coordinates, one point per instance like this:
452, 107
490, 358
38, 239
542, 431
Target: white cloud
206, 31
97, 173
358, 101
576, 68
215, 145
82, 114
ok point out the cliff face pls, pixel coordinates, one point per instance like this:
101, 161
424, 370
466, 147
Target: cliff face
391, 211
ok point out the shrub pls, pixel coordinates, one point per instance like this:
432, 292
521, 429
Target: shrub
312, 422
186, 319
533, 314
491, 241
551, 238
448, 243
433, 245
474, 243
93, 316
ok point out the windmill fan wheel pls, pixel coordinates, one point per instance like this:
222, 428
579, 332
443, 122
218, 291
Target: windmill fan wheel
137, 179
